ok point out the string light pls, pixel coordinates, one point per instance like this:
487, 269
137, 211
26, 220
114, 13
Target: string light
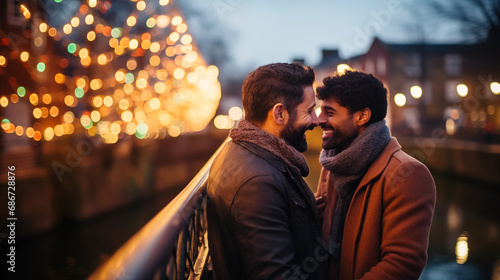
52, 32
40, 67
71, 48
43, 27
172, 94
141, 5
89, 19
24, 10
24, 56
21, 91
75, 22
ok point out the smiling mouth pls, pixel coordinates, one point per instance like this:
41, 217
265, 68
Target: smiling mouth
327, 132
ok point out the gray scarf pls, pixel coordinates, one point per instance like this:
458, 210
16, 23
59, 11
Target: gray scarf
347, 168
247, 132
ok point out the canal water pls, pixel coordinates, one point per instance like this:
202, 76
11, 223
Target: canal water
73, 250
467, 214
465, 235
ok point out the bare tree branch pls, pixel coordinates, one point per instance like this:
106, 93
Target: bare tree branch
479, 19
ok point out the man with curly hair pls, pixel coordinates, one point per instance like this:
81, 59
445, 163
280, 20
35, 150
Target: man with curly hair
378, 201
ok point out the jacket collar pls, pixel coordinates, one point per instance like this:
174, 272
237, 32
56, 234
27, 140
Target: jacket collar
378, 166
277, 162
264, 154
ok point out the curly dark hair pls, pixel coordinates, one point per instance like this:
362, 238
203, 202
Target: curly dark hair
356, 90
275, 83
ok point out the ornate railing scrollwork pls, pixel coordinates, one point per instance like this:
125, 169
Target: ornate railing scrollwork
173, 245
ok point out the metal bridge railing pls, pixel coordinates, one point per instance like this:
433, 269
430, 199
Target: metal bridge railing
173, 245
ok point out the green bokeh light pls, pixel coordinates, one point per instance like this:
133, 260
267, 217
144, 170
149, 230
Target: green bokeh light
58, 1
79, 92
5, 121
151, 22
129, 78
116, 32
72, 48
140, 136
21, 91
89, 125
40, 67
142, 128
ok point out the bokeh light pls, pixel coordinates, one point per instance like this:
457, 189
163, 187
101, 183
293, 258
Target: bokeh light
495, 88
462, 90
118, 79
341, 68
416, 92
400, 99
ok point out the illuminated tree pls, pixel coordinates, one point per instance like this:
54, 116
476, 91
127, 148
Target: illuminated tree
112, 68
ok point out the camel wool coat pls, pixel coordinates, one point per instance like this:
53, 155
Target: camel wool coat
387, 226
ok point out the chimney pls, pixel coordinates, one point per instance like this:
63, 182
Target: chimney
328, 54
301, 60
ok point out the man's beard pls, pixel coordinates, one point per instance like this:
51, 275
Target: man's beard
295, 135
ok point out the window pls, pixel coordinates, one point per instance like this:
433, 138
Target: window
450, 91
413, 65
453, 64
369, 66
381, 65
14, 16
357, 66
412, 119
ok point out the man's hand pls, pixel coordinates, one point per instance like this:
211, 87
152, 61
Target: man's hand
321, 204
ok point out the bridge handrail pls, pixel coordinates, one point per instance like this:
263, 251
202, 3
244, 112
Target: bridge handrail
172, 245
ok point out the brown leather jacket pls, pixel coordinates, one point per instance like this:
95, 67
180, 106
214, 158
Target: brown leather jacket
261, 222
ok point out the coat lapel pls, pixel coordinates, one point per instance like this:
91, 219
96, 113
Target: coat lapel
357, 210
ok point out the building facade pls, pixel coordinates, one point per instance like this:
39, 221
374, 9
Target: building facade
451, 87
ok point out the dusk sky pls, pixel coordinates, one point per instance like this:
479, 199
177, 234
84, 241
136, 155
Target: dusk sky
280, 30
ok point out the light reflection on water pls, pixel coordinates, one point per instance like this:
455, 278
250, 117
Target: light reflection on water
470, 209
462, 206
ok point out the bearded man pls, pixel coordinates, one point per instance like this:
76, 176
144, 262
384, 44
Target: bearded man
262, 218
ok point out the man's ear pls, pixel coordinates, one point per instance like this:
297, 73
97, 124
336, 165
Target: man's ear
279, 113
363, 116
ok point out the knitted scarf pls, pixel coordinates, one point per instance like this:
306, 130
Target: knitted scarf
347, 168
247, 132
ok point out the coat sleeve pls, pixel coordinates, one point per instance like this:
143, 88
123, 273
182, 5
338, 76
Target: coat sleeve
261, 220
322, 186
322, 189
409, 200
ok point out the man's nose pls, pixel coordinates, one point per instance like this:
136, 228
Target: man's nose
321, 118
315, 119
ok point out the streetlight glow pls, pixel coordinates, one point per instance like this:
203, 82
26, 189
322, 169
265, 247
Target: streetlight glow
341, 68
462, 249
495, 88
400, 99
416, 92
235, 113
462, 90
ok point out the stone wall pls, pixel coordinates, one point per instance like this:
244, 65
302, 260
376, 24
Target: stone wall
77, 179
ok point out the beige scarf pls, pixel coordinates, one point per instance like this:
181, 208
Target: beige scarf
248, 132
